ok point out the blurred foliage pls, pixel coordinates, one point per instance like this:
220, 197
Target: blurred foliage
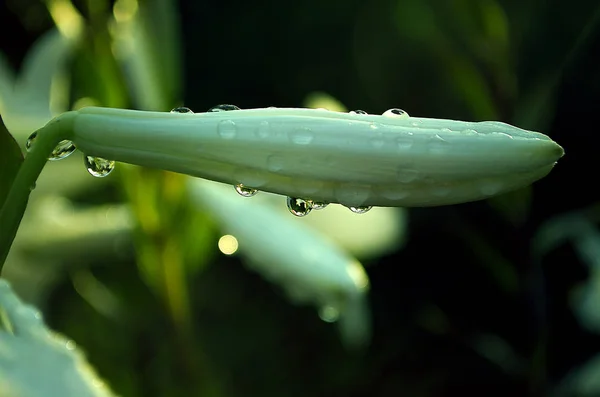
488, 298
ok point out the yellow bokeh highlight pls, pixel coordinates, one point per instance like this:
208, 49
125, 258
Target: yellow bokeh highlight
228, 244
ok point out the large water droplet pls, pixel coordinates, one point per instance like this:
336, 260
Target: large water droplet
223, 108
245, 191
360, 210
405, 141
406, 175
227, 129
30, 141
98, 166
395, 113
318, 205
358, 112
302, 136
62, 150
181, 109
298, 206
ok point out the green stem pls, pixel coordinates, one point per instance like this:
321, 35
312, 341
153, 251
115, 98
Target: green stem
14, 207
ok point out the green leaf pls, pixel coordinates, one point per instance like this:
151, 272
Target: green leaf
10, 161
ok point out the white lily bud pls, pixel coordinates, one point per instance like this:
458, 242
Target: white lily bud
328, 157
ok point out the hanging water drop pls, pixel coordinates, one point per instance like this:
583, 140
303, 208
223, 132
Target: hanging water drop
360, 210
62, 150
181, 109
329, 314
98, 166
30, 141
298, 206
395, 113
245, 191
223, 108
358, 112
317, 205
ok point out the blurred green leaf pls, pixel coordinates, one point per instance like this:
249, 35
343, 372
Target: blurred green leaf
35, 362
10, 161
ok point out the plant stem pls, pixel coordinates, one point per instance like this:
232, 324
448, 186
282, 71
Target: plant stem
16, 201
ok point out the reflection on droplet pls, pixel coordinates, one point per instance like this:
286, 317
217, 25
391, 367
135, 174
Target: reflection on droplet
358, 112
223, 108
245, 191
329, 314
62, 150
263, 130
438, 145
98, 166
228, 244
181, 109
395, 113
405, 141
227, 129
317, 205
298, 206
275, 163
30, 141
490, 187
302, 136
360, 210
407, 175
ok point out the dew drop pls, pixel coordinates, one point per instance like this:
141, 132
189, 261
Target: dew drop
227, 129
263, 130
395, 113
245, 191
181, 109
298, 206
275, 163
302, 136
62, 150
438, 145
358, 112
407, 175
98, 166
223, 108
405, 141
318, 205
30, 141
360, 210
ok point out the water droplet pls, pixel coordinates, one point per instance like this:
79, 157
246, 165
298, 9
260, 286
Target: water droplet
438, 145
263, 130
358, 112
329, 314
181, 109
318, 205
98, 166
469, 132
393, 193
407, 175
275, 163
298, 206
377, 141
441, 190
395, 113
62, 150
32, 187
223, 108
360, 210
302, 136
245, 191
30, 141
227, 129
70, 345
405, 141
